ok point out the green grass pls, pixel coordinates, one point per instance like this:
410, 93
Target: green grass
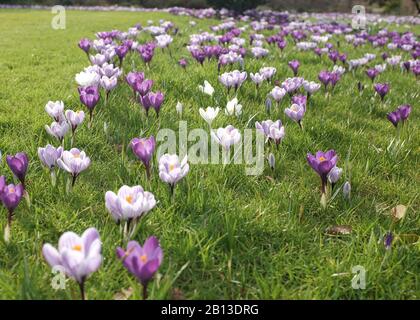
238, 236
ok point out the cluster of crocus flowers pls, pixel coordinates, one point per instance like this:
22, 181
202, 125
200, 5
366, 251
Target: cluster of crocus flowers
233, 79
273, 131
143, 148
129, 205
142, 261
401, 114
77, 256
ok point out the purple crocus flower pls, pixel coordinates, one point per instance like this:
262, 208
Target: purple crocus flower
372, 73
296, 113
322, 163
143, 87
325, 78
144, 148
382, 89
89, 96
388, 238
18, 164
183, 63
85, 45
152, 99
334, 78
294, 65
333, 56
77, 256
394, 117
404, 111
10, 196
142, 262
121, 52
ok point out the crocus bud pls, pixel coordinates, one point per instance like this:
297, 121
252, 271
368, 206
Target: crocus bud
334, 175
347, 190
388, 240
179, 108
268, 105
271, 161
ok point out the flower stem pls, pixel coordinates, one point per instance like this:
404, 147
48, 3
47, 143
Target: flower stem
82, 290
144, 291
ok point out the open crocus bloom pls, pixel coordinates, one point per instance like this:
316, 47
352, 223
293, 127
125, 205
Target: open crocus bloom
74, 161
77, 256
278, 93
75, 118
142, 262
226, 137
207, 88
87, 79
58, 129
295, 112
322, 163
11, 195
129, 202
171, 170
209, 114
272, 130
233, 108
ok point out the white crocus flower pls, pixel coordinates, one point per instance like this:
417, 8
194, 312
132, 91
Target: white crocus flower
226, 137
55, 110
87, 79
233, 108
207, 88
209, 114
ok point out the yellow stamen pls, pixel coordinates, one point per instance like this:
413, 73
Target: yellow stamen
12, 190
76, 155
77, 247
171, 167
322, 159
143, 258
129, 199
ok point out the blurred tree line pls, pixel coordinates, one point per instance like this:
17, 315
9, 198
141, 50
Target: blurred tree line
242, 5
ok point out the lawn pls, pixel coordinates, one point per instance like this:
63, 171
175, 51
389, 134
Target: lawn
225, 235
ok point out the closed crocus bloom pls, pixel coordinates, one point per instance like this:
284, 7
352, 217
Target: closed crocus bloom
74, 162
278, 93
322, 163
294, 65
347, 190
129, 203
334, 175
156, 100
143, 87
183, 63
87, 79
98, 59
394, 117
226, 137
233, 108
325, 78
272, 161
142, 262
179, 107
209, 114
18, 164
85, 45
268, 72
144, 148
133, 77
77, 256
89, 96
58, 129
74, 118
404, 111
55, 110
271, 130
372, 73
296, 112
171, 170
2, 184
382, 89
121, 52
49, 155
207, 88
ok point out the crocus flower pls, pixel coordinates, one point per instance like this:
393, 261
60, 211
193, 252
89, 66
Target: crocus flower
382, 89
134, 79
311, 87
144, 148
10, 196
108, 84
209, 114
322, 163
347, 190
334, 175
55, 110
171, 170
179, 107
388, 238
183, 63
268, 72
296, 113
272, 161
18, 164
89, 96
77, 256
143, 87
257, 78
394, 117
121, 52
272, 130
49, 155
278, 93
207, 88
233, 108
129, 203
294, 65
74, 162
58, 129
226, 137
325, 78
85, 45
142, 262
372, 73
87, 78
74, 119
152, 99
404, 111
